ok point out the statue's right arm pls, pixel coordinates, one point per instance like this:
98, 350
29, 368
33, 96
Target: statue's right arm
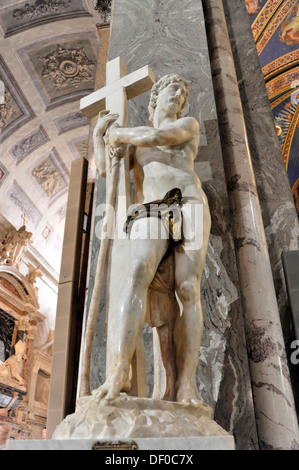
175, 133
99, 153
105, 120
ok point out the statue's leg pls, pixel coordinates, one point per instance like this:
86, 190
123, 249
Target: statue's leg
189, 265
144, 256
167, 347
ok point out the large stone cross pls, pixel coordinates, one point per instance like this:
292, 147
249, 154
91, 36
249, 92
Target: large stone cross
114, 97
133, 84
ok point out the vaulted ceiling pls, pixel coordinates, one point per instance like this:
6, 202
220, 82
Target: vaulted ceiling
48, 56
275, 27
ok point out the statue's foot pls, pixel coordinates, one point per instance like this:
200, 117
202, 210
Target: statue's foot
188, 395
116, 383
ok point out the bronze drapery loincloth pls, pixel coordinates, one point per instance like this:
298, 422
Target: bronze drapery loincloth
162, 303
167, 209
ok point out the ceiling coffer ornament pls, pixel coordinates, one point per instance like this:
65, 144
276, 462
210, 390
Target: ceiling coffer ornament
104, 8
65, 67
6, 110
40, 7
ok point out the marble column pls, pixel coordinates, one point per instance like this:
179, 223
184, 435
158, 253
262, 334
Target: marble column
170, 36
278, 209
273, 398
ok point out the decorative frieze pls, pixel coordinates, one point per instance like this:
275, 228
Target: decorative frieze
40, 8
28, 144
70, 121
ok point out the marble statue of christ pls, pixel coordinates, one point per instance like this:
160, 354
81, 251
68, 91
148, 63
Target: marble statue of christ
162, 158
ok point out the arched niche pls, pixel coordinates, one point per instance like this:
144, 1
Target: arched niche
18, 307
16, 291
19, 317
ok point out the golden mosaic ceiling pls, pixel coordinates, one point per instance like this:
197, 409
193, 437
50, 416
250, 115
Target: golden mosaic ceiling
275, 27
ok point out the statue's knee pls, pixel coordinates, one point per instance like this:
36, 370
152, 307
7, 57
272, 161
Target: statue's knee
140, 271
188, 291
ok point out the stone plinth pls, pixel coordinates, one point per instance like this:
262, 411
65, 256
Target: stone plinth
130, 417
152, 444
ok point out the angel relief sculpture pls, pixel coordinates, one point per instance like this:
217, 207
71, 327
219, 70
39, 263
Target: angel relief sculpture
10, 370
13, 245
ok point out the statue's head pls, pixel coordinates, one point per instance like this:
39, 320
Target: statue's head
160, 85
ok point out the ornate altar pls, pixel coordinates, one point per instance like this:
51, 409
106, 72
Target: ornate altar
24, 372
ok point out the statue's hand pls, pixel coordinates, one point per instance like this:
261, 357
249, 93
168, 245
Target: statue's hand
105, 120
116, 149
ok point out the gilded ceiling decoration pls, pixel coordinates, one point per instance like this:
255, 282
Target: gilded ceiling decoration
275, 27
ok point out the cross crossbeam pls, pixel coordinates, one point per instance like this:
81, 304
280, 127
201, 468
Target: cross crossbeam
114, 97
134, 84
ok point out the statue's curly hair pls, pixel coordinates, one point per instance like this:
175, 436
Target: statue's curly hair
163, 83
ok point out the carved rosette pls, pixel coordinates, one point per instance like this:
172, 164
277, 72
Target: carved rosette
65, 67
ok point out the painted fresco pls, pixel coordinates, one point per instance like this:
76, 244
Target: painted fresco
275, 27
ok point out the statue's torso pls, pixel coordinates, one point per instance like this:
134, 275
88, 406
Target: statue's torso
160, 169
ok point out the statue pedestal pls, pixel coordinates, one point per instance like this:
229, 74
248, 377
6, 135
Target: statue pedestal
127, 418
147, 424
144, 444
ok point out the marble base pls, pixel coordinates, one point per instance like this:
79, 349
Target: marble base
129, 417
174, 443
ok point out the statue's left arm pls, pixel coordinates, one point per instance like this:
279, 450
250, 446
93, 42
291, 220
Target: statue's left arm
178, 132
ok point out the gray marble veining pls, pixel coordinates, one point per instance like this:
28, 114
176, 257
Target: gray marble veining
171, 38
273, 398
278, 210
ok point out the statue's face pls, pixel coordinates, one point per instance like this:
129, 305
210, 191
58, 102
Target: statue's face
172, 98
